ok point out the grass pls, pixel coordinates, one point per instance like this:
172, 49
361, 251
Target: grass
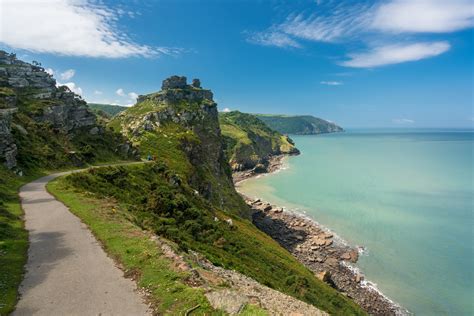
13, 239
133, 248
154, 199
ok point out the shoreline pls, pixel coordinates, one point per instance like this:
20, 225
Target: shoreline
317, 247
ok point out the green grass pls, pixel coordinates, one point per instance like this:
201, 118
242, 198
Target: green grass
13, 239
155, 200
132, 247
248, 140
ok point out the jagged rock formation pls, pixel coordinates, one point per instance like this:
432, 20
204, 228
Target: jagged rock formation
250, 143
30, 99
183, 118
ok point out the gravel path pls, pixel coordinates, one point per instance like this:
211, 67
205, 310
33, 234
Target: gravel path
68, 273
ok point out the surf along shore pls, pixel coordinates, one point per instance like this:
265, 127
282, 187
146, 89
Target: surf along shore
328, 256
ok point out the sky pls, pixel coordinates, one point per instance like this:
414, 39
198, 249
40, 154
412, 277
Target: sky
387, 63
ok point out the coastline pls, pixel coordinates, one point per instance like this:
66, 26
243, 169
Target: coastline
328, 256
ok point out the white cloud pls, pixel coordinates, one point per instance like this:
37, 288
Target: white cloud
273, 38
387, 21
69, 27
133, 96
394, 54
97, 92
332, 83
120, 92
68, 74
403, 121
420, 16
72, 86
49, 71
225, 110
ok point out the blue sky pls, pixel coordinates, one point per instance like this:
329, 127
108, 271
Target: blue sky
393, 63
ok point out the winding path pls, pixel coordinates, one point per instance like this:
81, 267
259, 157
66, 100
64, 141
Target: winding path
68, 273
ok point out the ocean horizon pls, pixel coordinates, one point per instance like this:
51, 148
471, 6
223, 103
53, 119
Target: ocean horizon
405, 195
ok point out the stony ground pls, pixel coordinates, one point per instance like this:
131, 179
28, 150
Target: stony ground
326, 256
231, 291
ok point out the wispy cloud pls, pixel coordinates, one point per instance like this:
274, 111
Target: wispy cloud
273, 38
226, 110
67, 75
394, 54
332, 83
403, 121
97, 92
342, 22
69, 27
424, 16
120, 92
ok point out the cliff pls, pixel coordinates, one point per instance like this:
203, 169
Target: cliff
299, 124
45, 126
250, 142
186, 193
179, 126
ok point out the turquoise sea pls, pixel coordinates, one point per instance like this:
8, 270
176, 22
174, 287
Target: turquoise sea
405, 195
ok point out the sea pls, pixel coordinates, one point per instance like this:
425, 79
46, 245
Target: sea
405, 195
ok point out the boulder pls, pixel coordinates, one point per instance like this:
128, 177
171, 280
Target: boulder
324, 276
174, 82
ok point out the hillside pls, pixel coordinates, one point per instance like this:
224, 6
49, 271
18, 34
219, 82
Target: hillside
249, 142
106, 110
187, 194
47, 127
42, 127
299, 124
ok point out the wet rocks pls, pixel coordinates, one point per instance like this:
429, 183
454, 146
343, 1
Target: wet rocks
318, 249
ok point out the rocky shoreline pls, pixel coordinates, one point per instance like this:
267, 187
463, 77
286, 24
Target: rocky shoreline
318, 249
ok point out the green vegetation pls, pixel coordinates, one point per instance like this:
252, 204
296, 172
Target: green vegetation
249, 141
133, 248
13, 239
301, 124
106, 110
154, 198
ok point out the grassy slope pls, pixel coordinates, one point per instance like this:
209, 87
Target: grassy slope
109, 109
133, 248
301, 124
13, 238
151, 200
248, 139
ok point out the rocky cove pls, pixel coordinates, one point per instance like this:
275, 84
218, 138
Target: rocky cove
324, 253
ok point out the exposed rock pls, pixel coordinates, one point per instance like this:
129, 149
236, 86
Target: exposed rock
8, 149
232, 302
196, 83
59, 107
318, 250
324, 276
174, 82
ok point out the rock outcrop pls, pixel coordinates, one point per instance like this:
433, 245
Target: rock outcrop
250, 143
8, 149
186, 117
30, 97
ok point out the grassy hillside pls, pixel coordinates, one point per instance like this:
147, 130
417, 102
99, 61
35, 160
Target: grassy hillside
249, 141
299, 125
106, 110
153, 200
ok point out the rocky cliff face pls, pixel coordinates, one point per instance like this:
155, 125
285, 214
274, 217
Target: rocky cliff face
30, 101
250, 143
179, 125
